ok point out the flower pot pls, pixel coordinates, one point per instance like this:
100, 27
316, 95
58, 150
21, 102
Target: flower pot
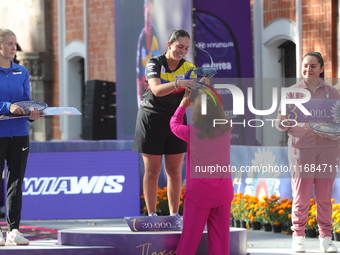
256, 225
243, 224
277, 229
267, 227
284, 228
237, 223
311, 233
232, 223
336, 236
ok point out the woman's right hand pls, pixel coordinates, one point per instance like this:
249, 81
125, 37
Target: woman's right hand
16, 110
283, 119
187, 84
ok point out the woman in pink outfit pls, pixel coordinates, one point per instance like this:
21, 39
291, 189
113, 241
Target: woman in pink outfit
209, 189
307, 149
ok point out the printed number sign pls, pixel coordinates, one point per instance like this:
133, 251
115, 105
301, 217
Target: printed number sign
322, 110
154, 223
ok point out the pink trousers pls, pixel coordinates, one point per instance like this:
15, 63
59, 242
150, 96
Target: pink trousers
313, 168
194, 220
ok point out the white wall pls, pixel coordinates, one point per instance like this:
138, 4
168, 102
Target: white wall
268, 70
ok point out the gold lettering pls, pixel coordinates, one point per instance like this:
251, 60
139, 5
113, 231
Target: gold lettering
143, 248
146, 247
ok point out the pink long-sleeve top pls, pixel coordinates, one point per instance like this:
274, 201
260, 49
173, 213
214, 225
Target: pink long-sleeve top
204, 189
302, 136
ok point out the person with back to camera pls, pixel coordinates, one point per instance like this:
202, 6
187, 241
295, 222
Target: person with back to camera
306, 149
207, 197
147, 47
167, 77
14, 133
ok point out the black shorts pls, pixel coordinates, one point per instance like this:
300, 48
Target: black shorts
153, 135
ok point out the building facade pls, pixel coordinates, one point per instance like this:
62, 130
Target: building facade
65, 43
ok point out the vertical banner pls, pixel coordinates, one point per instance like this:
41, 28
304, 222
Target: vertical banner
142, 30
221, 34
215, 37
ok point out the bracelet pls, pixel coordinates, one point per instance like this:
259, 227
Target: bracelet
176, 84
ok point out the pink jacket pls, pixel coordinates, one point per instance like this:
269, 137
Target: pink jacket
302, 136
204, 189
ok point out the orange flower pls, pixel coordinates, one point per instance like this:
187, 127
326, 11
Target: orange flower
281, 212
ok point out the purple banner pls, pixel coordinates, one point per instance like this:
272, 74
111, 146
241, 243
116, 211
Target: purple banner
142, 31
81, 185
220, 45
219, 31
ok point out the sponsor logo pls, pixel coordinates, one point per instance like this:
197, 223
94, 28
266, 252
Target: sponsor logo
181, 77
69, 185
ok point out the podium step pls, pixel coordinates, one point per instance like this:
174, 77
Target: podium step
51, 247
135, 243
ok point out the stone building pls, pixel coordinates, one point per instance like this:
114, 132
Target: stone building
65, 43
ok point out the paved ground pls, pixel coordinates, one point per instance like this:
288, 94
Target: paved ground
259, 242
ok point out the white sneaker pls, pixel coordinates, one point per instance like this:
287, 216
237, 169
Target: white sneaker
326, 245
14, 237
298, 244
2, 240
152, 214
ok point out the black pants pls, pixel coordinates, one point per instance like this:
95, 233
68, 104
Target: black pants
15, 151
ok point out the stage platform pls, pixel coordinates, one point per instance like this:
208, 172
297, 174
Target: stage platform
136, 243
258, 242
50, 247
119, 240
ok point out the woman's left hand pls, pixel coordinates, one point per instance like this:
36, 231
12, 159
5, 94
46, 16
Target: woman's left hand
34, 115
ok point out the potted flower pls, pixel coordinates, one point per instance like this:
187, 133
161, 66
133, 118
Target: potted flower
336, 221
265, 207
286, 214
238, 208
253, 213
280, 214
312, 225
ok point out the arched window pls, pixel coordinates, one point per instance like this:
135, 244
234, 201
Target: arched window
288, 63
